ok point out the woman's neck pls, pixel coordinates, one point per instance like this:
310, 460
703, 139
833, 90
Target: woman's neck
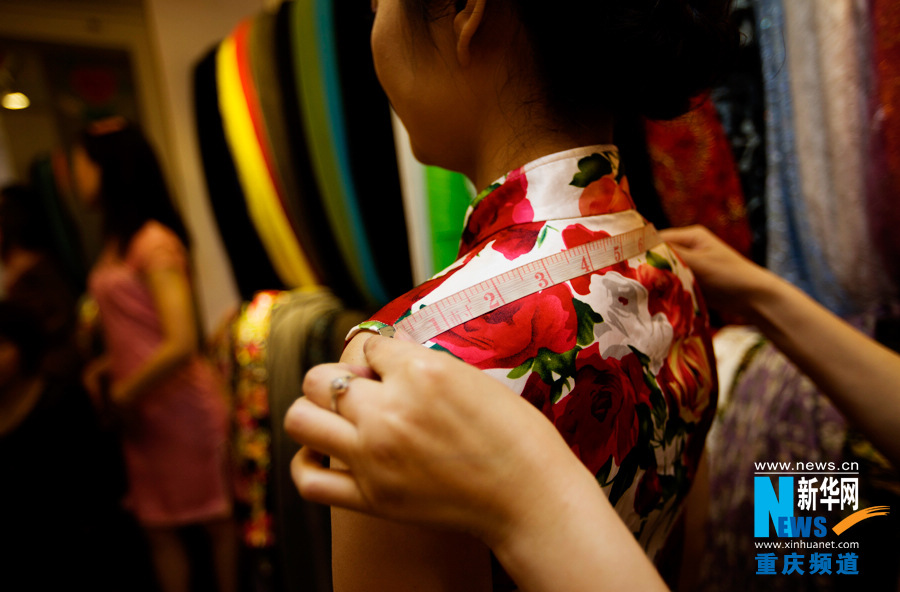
508, 143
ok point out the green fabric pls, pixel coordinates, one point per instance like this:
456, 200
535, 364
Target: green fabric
449, 196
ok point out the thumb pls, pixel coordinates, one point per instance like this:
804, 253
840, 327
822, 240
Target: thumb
385, 355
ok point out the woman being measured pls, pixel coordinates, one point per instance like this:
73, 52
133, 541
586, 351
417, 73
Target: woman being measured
522, 96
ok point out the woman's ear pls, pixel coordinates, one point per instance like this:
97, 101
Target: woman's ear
465, 25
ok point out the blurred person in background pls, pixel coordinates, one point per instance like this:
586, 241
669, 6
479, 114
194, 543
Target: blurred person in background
61, 473
173, 411
34, 279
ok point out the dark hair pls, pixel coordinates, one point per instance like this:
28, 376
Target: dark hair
132, 188
21, 328
22, 221
629, 57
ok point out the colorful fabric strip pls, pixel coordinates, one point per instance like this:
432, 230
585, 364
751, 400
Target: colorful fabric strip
321, 107
268, 111
263, 204
250, 263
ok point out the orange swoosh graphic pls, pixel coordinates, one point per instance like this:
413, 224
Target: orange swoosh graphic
858, 517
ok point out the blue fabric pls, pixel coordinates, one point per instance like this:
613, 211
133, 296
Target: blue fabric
332, 88
794, 252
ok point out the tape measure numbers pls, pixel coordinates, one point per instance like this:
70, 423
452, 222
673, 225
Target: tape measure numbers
525, 280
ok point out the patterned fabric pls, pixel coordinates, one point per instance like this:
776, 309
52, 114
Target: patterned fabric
774, 413
793, 250
619, 360
252, 437
823, 43
883, 161
695, 175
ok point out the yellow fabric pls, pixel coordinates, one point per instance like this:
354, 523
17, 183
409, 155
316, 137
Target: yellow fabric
274, 229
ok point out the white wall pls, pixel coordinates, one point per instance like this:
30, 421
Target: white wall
181, 31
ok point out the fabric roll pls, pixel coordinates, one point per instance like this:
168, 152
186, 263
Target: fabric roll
794, 251
250, 263
826, 85
321, 105
267, 83
695, 175
336, 274
370, 146
235, 95
883, 154
252, 417
301, 334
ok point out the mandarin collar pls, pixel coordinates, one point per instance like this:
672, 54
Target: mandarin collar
580, 182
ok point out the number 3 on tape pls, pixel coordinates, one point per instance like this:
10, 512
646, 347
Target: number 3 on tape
527, 279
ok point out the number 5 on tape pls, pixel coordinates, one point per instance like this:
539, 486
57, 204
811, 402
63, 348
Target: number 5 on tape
527, 279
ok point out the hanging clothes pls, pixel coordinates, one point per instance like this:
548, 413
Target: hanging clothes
695, 175
271, 132
321, 107
290, 146
306, 328
794, 251
826, 85
370, 149
883, 154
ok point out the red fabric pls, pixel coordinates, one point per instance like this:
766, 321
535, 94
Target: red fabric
696, 177
884, 150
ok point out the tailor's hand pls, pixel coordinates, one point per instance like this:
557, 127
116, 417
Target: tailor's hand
730, 282
427, 439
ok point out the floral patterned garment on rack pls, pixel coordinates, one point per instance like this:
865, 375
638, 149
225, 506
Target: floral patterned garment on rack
620, 360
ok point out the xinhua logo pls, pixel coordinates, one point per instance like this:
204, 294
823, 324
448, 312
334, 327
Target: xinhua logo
792, 506
778, 510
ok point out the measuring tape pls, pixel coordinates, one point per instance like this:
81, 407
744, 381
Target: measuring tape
527, 279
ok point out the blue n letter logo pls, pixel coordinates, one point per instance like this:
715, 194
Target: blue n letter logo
766, 504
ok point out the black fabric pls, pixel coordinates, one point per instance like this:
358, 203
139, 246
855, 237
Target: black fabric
370, 141
307, 197
250, 263
740, 102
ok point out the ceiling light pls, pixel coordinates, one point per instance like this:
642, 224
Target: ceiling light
15, 100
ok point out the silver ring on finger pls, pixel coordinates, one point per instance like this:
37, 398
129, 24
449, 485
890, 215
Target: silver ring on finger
339, 386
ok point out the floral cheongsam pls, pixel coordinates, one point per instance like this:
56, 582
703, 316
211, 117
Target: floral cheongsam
620, 360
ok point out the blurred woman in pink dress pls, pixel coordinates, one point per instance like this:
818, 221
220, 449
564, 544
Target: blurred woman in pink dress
174, 410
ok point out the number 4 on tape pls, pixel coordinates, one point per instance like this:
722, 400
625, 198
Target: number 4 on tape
527, 279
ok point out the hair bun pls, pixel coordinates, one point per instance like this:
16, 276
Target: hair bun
674, 52
645, 57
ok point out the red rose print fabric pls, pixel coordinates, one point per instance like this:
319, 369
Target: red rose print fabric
619, 360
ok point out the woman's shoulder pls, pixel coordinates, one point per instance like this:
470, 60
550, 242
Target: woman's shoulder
154, 232
155, 243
